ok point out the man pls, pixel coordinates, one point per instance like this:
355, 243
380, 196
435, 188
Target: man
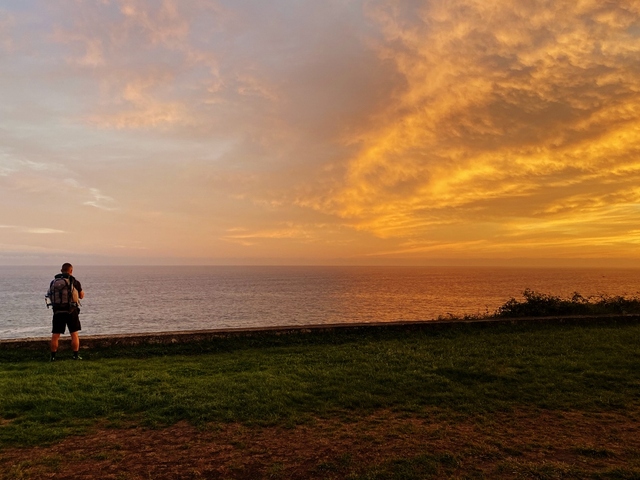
67, 316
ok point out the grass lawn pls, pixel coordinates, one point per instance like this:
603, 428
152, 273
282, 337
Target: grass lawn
374, 389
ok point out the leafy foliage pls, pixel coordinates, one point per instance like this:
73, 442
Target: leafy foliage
536, 304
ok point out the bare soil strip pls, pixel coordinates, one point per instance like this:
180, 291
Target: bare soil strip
519, 444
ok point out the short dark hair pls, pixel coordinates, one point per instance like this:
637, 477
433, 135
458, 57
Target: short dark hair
66, 267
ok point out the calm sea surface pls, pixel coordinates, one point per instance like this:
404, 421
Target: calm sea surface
156, 299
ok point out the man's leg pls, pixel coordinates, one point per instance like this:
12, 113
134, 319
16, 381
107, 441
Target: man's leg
75, 342
54, 344
75, 345
74, 327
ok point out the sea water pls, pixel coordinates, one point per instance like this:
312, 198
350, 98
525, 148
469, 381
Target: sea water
127, 299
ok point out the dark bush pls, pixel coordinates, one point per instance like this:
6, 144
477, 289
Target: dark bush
537, 304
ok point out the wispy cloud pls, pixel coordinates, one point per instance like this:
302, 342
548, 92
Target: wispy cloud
100, 201
6, 24
36, 230
43, 231
248, 237
38, 178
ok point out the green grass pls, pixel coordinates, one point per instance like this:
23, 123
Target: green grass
270, 379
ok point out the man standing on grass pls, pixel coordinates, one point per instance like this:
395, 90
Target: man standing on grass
64, 293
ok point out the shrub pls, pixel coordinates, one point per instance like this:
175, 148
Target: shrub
536, 304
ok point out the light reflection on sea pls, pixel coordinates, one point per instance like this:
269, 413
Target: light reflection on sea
154, 299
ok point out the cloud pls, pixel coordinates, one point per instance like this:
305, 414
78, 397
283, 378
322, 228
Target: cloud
214, 69
44, 231
36, 230
45, 180
246, 237
501, 105
137, 52
100, 201
7, 22
161, 22
137, 107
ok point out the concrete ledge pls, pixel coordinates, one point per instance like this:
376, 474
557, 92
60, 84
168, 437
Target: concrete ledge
191, 336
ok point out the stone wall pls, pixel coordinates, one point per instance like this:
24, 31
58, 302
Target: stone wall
93, 341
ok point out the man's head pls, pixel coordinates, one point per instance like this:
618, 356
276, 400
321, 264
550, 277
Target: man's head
67, 268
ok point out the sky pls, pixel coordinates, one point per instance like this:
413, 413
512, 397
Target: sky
379, 132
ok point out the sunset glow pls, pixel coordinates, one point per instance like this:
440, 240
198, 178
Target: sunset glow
370, 131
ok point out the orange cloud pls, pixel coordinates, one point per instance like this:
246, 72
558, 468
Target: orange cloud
141, 108
162, 24
506, 111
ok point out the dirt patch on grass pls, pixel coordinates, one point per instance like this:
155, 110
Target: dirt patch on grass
533, 444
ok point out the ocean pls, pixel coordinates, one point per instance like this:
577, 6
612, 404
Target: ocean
137, 299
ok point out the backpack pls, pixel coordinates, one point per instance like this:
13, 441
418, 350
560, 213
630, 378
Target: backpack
62, 294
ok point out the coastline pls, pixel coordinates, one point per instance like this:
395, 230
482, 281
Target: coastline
194, 336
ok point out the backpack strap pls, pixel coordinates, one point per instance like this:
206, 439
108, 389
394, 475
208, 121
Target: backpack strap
71, 287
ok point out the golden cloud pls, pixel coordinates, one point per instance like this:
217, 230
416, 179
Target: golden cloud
507, 110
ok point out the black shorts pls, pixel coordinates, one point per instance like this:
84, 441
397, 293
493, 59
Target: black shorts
62, 320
